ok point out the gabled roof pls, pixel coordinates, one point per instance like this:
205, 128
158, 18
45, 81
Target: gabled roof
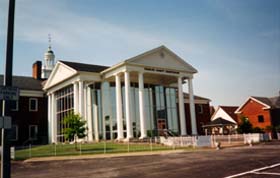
84, 67
268, 103
219, 122
150, 59
25, 83
230, 111
273, 102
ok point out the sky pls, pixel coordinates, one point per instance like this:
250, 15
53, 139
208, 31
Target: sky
234, 45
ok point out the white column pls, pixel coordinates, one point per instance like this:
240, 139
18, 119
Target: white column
141, 106
119, 107
76, 97
127, 105
81, 98
95, 116
181, 107
50, 118
192, 108
89, 113
54, 119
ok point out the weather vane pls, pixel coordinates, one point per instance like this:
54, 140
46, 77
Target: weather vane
50, 40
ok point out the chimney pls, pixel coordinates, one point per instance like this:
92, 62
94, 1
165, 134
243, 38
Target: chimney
37, 70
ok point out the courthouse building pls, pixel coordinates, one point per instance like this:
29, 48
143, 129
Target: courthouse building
135, 98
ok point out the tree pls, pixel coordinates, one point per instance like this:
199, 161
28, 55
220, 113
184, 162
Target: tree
75, 127
245, 126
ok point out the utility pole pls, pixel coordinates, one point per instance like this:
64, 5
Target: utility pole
6, 152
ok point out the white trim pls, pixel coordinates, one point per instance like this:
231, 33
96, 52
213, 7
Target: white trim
31, 93
36, 104
54, 71
252, 98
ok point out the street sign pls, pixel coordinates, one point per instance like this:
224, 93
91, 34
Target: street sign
9, 93
5, 122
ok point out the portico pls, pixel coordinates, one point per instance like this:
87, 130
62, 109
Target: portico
136, 98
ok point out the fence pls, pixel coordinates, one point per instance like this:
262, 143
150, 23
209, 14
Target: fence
150, 144
209, 141
103, 147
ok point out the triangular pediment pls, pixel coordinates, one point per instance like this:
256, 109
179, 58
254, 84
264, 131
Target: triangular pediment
60, 73
162, 57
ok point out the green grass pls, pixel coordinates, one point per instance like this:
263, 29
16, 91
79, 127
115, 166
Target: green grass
86, 149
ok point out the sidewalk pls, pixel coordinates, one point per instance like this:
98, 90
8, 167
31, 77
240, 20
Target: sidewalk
107, 155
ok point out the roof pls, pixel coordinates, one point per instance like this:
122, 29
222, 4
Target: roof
273, 102
187, 96
218, 122
268, 103
230, 111
85, 67
25, 83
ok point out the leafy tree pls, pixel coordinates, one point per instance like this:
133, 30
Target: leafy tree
245, 126
75, 127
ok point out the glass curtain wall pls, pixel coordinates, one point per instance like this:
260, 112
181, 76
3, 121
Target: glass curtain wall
64, 105
160, 109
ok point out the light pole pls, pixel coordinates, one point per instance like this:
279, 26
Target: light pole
6, 152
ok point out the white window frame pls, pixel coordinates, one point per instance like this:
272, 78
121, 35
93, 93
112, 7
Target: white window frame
16, 109
36, 130
36, 104
12, 139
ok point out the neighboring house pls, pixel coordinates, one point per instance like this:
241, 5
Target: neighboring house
223, 121
132, 99
29, 113
262, 112
202, 113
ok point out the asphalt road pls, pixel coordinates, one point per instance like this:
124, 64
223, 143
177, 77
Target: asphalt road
206, 164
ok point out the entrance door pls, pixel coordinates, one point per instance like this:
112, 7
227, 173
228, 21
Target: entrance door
161, 125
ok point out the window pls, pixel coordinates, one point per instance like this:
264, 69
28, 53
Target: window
14, 105
33, 132
33, 104
200, 108
260, 118
14, 133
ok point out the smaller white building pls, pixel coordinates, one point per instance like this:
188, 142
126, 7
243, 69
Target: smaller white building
223, 121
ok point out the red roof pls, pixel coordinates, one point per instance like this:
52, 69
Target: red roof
230, 111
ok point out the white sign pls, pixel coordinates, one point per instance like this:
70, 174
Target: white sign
9, 93
12, 152
5, 122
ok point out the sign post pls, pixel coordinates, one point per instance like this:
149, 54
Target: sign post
7, 82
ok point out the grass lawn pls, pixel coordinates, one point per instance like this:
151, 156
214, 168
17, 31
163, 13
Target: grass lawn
88, 148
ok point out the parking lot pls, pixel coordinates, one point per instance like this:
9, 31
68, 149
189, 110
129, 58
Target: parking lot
242, 162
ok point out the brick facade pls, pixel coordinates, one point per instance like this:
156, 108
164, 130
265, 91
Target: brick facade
252, 110
23, 118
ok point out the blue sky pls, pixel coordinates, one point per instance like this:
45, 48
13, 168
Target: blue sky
235, 45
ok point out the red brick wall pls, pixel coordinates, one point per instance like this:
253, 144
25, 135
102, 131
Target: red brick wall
201, 118
252, 110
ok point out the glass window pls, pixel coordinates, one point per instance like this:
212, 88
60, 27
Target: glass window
33, 104
33, 132
14, 105
260, 118
200, 108
14, 133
